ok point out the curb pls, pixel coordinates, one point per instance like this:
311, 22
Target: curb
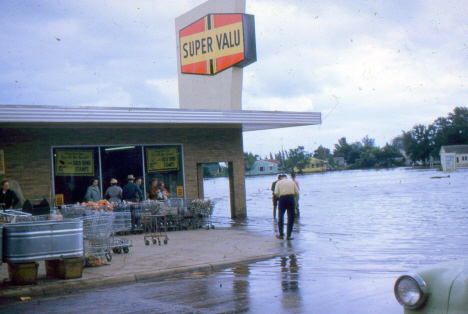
70, 285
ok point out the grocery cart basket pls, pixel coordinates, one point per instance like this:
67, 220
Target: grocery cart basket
137, 226
11, 215
122, 223
97, 231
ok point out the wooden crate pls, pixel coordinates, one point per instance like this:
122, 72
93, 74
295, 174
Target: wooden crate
23, 273
67, 268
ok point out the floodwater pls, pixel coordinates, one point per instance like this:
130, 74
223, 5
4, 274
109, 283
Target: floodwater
395, 219
358, 231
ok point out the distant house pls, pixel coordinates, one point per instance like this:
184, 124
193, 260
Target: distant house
453, 156
316, 165
340, 161
265, 166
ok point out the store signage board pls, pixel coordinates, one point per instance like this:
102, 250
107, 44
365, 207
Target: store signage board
180, 191
217, 42
162, 159
74, 162
2, 162
59, 200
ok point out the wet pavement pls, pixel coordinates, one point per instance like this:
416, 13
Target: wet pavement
358, 231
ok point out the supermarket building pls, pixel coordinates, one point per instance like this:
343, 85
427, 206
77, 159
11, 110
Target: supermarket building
54, 152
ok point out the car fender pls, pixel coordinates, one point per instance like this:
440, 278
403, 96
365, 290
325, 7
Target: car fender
439, 279
458, 299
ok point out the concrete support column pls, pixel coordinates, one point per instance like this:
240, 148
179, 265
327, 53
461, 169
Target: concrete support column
200, 181
237, 189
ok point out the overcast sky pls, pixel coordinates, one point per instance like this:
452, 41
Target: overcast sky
370, 67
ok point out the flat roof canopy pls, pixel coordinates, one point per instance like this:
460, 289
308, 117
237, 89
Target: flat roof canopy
248, 119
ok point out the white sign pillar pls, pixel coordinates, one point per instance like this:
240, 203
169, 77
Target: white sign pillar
221, 91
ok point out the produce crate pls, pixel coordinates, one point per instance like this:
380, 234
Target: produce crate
67, 268
23, 273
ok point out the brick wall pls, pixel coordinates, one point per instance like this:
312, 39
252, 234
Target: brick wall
28, 152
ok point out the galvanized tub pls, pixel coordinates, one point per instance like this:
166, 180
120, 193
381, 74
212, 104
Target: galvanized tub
42, 240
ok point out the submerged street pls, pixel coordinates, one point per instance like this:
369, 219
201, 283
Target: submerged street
358, 231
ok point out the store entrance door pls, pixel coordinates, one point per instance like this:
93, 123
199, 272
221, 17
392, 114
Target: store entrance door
119, 162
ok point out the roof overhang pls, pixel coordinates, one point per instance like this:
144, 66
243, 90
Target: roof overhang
249, 120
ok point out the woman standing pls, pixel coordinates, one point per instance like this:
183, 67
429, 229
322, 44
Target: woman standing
163, 194
153, 190
93, 194
162, 187
114, 192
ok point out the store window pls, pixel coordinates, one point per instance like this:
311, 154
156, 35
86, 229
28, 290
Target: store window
77, 166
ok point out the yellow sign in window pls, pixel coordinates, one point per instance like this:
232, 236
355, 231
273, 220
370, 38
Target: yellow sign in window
59, 201
162, 159
74, 162
180, 191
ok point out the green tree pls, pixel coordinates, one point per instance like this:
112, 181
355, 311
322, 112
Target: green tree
452, 130
249, 160
322, 153
206, 172
418, 142
368, 157
297, 158
368, 142
342, 149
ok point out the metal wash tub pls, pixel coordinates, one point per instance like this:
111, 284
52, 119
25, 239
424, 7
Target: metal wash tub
42, 240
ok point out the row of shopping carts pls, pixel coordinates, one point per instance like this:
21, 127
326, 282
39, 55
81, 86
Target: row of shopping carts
104, 230
101, 229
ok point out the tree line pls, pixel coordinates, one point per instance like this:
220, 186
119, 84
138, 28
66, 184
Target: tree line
422, 142
363, 154
419, 144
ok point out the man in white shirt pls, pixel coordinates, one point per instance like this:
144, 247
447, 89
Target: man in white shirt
286, 190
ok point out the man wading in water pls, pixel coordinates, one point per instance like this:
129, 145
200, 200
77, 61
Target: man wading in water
286, 190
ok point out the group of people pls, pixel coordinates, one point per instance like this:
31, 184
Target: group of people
131, 192
285, 199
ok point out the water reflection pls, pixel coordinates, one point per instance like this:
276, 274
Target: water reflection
291, 296
241, 287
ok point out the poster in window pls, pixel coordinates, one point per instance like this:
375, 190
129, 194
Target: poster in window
74, 162
180, 191
162, 159
2, 162
59, 201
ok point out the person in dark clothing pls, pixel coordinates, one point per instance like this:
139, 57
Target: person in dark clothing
286, 190
139, 182
274, 197
131, 191
8, 197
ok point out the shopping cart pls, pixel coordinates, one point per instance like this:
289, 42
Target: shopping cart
154, 227
202, 211
122, 223
135, 210
11, 215
97, 231
74, 211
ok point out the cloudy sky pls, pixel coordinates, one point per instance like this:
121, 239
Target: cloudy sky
370, 67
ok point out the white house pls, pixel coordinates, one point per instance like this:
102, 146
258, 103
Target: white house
265, 166
453, 156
